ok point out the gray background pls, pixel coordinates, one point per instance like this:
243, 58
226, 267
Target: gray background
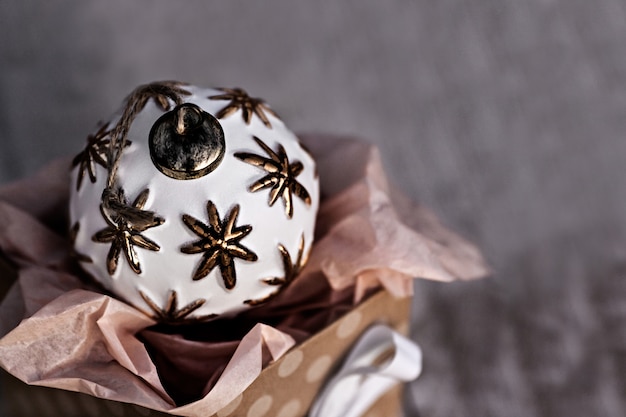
506, 117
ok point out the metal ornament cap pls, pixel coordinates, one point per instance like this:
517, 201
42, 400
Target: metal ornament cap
186, 143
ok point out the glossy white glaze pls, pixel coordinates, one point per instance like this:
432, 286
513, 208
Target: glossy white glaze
170, 269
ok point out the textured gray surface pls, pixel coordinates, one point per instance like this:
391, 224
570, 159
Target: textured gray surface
504, 116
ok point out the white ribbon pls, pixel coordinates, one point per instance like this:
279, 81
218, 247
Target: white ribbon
380, 359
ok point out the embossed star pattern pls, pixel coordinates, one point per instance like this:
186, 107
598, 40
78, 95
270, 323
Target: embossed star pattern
240, 100
94, 153
281, 176
125, 224
161, 92
171, 314
220, 244
292, 270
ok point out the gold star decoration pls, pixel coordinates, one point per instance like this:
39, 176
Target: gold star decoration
73, 252
94, 153
219, 243
125, 223
240, 100
171, 314
281, 176
161, 92
292, 270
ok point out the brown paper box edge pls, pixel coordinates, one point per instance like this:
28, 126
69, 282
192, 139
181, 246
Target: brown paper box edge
285, 387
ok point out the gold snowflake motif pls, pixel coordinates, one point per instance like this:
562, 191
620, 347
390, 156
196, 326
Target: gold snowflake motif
219, 243
161, 92
125, 225
292, 270
73, 252
240, 100
281, 176
94, 153
171, 314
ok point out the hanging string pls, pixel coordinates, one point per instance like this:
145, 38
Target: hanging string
162, 93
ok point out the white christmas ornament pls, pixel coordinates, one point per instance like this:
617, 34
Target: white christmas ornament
193, 202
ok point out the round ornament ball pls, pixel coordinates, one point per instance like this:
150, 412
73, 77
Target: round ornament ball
193, 202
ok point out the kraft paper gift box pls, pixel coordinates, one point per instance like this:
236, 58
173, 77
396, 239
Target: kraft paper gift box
287, 387
82, 352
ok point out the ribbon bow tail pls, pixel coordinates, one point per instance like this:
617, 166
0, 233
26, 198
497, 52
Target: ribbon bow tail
379, 360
